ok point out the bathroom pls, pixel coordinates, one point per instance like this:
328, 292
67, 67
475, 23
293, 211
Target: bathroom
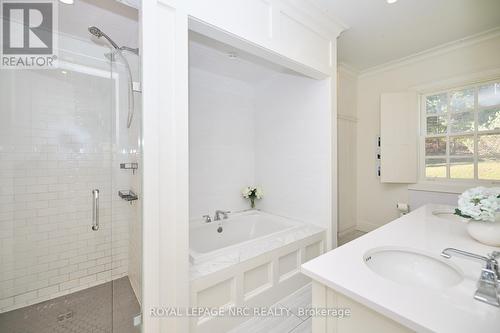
249, 166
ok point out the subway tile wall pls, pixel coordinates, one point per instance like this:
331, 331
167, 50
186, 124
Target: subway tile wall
58, 141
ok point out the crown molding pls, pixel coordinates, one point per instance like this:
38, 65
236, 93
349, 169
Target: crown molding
332, 18
432, 52
457, 82
348, 69
317, 14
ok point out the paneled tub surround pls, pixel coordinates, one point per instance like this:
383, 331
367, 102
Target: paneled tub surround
255, 261
431, 302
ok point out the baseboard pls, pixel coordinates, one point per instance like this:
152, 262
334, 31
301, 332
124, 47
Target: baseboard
366, 226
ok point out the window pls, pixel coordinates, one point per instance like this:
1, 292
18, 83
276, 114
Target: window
461, 133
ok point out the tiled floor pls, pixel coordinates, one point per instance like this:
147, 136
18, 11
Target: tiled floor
350, 237
106, 308
285, 324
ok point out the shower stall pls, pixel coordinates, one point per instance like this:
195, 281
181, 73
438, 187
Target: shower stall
70, 180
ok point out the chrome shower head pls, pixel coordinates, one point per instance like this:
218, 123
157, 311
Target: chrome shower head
95, 31
98, 33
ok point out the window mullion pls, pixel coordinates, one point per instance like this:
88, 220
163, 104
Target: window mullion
448, 121
476, 126
437, 101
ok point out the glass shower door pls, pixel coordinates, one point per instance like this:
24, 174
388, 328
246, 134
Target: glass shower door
56, 142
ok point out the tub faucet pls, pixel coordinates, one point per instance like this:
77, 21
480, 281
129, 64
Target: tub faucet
218, 213
488, 286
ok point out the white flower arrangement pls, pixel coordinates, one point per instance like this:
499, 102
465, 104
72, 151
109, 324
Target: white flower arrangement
252, 193
479, 204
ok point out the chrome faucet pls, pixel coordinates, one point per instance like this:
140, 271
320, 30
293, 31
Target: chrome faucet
218, 213
488, 285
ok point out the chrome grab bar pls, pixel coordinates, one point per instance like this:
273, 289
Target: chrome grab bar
95, 210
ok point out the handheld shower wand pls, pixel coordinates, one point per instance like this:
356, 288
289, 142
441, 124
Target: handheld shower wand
99, 33
95, 31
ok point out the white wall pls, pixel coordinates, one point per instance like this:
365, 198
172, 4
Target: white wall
346, 143
222, 142
376, 202
293, 148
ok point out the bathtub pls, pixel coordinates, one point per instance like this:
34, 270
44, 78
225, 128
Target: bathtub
254, 262
206, 242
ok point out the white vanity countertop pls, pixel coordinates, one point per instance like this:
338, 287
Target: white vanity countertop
452, 309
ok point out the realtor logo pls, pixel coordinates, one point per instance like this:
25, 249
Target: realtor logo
28, 34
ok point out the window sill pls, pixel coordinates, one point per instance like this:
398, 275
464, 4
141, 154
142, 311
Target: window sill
447, 187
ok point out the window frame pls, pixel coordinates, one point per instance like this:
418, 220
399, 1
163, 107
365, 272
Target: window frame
423, 179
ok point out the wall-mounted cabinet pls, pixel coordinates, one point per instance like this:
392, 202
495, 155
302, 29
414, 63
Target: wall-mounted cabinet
398, 137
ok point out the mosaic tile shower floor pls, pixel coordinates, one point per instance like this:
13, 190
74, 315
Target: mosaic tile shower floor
106, 308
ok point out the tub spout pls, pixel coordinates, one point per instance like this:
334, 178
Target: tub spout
218, 213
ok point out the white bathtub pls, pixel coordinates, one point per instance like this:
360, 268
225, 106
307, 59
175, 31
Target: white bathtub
254, 262
205, 241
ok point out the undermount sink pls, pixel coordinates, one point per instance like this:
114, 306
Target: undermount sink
412, 268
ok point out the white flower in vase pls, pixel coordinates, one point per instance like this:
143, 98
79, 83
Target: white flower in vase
481, 206
252, 193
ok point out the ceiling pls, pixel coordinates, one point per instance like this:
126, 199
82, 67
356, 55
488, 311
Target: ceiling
380, 32
219, 58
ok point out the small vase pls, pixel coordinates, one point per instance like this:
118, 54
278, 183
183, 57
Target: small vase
487, 233
252, 203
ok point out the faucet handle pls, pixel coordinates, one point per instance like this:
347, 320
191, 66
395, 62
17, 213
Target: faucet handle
207, 218
487, 287
224, 213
